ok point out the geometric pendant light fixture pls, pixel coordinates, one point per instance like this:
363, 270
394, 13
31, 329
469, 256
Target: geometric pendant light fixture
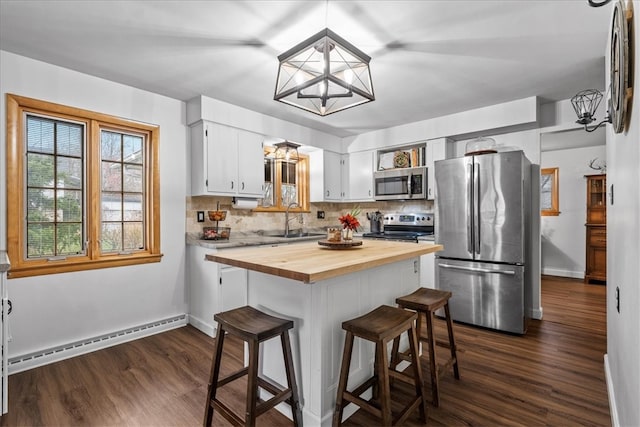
324, 74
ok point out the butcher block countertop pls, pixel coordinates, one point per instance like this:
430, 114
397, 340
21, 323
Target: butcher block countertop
309, 262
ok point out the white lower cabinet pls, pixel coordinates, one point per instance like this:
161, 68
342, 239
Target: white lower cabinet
428, 271
212, 288
232, 287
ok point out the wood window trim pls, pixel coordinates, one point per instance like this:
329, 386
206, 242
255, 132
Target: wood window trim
94, 122
302, 180
555, 197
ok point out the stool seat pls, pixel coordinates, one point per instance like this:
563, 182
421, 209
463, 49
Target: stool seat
380, 326
382, 323
252, 326
425, 301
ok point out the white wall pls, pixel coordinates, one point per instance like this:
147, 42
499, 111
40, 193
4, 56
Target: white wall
563, 236
61, 308
623, 256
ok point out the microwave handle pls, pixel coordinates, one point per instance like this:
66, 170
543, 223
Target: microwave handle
409, 185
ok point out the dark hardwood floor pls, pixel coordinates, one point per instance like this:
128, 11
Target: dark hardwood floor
554, 376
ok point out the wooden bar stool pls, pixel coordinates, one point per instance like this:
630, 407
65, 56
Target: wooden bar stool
380, 326
425, 302
254, 327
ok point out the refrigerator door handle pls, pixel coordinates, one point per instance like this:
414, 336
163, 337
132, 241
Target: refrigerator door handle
476, 219
470, 201
478, 270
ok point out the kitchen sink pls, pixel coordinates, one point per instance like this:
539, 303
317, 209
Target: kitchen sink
291, 235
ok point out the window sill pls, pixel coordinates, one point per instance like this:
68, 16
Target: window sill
68, 266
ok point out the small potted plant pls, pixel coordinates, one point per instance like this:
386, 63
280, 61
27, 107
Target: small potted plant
350, 223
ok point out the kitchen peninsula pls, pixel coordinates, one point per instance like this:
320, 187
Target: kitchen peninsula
319, 288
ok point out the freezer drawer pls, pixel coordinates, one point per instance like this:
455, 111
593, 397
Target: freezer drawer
484, 294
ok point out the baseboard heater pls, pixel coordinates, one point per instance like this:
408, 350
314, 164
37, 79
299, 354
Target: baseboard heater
66, 351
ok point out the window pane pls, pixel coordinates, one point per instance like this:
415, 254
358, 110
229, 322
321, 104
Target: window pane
111, 207
132, 178
40, 170
111, 240
132, 149
69, 239
111, 176
69, 171
133, 237
40, 240
40, 135
111, 146
40, 205
69, 206
133, 207
69, 139
55, 185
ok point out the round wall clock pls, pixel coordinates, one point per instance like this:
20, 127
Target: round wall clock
619, 67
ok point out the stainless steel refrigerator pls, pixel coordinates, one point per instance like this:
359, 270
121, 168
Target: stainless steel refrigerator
483, 209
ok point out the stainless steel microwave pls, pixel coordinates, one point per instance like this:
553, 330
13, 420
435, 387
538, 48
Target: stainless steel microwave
400, 184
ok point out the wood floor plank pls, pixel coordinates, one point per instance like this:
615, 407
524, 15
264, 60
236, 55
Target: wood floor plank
552, 376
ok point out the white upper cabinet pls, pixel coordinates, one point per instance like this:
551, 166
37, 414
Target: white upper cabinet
325, 176
226, 161
358, 176
437, 149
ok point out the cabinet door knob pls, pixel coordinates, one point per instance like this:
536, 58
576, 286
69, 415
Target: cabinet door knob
243, 185
327, 193
232, 185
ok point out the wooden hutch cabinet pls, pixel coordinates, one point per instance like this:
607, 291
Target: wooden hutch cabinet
596, 257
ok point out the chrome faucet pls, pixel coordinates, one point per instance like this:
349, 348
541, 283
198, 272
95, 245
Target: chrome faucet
287, 219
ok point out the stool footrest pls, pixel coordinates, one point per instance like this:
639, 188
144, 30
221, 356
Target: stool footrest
227, 413
263, 407
364, 386
232, 377
367, 406
402, 416
406, 378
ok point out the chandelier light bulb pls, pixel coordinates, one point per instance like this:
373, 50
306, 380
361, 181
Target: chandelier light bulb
348, 76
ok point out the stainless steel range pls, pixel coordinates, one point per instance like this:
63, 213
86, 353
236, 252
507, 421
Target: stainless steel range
405, 226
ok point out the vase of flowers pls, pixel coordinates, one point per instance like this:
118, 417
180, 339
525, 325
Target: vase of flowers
349, 223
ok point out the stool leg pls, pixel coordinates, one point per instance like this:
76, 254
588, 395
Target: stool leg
452, 343
383, 382
344, 375
291, 379
432, 360
417, 371
252, 384
213, 377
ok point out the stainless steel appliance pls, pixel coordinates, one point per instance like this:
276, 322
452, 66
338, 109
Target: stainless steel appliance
411, 227
483, 208
375, 221
400, 184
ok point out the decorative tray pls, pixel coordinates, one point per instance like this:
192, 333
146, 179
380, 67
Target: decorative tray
343, 244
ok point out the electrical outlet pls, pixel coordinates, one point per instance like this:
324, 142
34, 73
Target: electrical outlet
320, 214
200, 216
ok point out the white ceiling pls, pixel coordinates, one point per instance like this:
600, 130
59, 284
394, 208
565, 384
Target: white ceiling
429, 58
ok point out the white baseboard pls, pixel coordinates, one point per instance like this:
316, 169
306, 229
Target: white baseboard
66, 351
563, 273
202, 326
615, 421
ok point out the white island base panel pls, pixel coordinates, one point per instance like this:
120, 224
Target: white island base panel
317, 339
